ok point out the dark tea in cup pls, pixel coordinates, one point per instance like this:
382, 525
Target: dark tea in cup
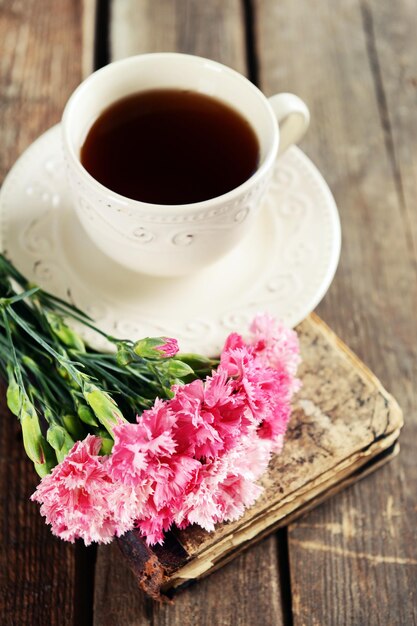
170, 147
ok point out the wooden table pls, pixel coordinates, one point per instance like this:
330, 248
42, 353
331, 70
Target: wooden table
354, 559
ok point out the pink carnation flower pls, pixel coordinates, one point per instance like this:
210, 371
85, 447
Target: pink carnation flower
126, 504
267, 391
138, 448
145, 457
155, 524
170, 482
276, 345
202, 452
226, 485
75, 496
210, 416
264, 370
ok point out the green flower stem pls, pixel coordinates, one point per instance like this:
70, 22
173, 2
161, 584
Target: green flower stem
15, 362
64, 362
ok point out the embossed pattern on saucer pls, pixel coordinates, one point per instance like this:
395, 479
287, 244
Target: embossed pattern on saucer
284, 266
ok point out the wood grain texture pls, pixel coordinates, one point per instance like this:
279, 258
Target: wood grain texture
213, 29
39, 69
354, 67
117, 599
40, 65
245, 592
392, 51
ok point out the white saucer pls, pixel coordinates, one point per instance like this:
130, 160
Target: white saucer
284, 266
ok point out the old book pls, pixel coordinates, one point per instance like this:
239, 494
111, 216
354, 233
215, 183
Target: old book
344, 425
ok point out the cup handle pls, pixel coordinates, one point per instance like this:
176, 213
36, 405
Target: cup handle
293, 118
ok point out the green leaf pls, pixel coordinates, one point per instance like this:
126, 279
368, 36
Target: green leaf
19, 296
63, 361
124, 354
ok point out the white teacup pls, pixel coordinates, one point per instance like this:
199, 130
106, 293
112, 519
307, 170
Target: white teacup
176, 239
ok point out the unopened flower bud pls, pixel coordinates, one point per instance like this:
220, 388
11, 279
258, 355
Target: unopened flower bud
65, 334
14, 394
36, 447
104, 407
176, 369
124, 355
156, 347
63, 372
86, 415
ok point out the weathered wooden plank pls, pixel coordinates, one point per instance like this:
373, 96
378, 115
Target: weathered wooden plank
213, 29
341, 58
39, 67
245, 591
117, 600
392, 49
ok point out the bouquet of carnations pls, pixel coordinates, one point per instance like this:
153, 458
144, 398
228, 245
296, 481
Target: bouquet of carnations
142, 436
